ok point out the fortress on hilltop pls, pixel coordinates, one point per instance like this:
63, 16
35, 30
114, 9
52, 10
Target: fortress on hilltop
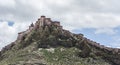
41, 23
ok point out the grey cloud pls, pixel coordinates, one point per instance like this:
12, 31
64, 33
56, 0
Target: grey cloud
99, 6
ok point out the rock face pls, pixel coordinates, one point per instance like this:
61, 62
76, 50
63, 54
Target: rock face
45, 35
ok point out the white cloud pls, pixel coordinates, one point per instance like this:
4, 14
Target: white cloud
107, 31
7, 34
7, 3
116, 42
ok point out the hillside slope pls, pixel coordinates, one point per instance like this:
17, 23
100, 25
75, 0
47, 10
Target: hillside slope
47, 43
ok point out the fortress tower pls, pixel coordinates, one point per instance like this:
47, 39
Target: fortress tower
41, 21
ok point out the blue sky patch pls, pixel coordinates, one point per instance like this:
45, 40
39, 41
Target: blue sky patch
10, 23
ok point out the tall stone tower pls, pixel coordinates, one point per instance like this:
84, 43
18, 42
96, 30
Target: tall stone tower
42, 21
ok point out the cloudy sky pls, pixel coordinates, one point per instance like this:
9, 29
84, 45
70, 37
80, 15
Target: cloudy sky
98, 20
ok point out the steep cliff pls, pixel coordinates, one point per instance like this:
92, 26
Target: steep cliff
47, 43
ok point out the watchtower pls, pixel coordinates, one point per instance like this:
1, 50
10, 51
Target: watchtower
41, 21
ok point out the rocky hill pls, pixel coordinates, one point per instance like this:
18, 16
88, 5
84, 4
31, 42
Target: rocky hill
47, 43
